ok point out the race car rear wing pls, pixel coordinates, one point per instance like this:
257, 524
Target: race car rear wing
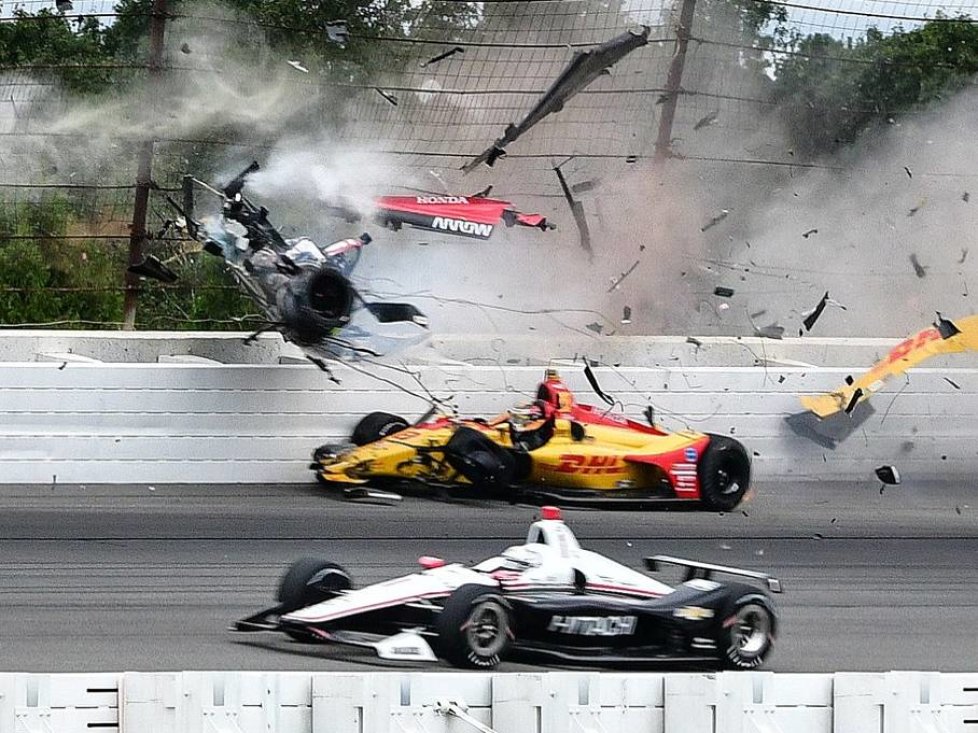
705, 570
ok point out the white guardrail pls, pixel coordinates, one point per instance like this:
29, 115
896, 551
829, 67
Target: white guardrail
69, 417
549, 702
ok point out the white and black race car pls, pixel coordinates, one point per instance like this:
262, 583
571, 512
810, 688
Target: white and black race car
547, 598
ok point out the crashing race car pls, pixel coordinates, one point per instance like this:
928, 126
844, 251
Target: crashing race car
553, 448
547, 599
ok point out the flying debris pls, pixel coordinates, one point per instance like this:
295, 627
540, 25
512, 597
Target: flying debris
723, 292
961, 335
442, 56
386, 95
475, 217
595, 326
724, 213
918, 269
888, 475
773, 331
810, 316
707, 120
964, 255
584, 68
185, 47
337, 32
626, 315
694, 341
809, 233
908, 172
917, 208
63, 6
952, 383
966, 197
617, 281
154, 269
298, 66
577, 211
303, 290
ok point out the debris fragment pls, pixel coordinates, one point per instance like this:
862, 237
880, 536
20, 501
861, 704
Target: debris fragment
781, 379
596, 327
945, 328
626, 315
952, 383
773, 331
966, 197
724, 213
707, 120
857, 393
957, 509
593, 381
337, 32
723, 292
809, 233
577, 211
442, 56
964, 255
387, 95
63, 5
908, 171
297, 65
888, 475
584, 68
584, 186
817, 536
810, 316
694, 341
63, 365
917, 208
918, 269
185, 47
616, 282
834, 520
152, 268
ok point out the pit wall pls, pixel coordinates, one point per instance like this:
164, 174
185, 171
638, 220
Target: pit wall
70, 414
549, 702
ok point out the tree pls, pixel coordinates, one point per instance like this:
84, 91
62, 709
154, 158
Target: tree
829, 92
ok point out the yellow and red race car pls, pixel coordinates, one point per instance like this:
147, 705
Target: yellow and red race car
552, 448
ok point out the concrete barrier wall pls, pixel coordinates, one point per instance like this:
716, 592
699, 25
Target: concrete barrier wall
85, 422
547, 702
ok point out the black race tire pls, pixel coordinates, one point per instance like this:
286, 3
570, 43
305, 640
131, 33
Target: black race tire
311, 580
308, 581
724, 473
745, 643
475, 628
375, 426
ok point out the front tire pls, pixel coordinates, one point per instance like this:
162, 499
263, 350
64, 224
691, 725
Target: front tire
749, 637
375, 426
724, 473
309, 581
475, 628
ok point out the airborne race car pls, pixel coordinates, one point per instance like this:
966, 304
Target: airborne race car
553, 448
547, 598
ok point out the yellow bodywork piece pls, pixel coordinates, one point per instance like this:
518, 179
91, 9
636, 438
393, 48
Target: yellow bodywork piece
903, 356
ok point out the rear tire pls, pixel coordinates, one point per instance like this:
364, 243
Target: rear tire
724, 473
375, 426
475, 628
749, 639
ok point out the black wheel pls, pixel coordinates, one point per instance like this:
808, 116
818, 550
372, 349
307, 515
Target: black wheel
474, 628
489, 467
724, 472
375, 426
746, 642
308, 581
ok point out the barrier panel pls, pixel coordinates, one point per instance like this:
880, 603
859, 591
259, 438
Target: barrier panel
458, 702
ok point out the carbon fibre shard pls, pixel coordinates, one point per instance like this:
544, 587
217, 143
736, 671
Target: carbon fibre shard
442, 56
584, 68
577, 211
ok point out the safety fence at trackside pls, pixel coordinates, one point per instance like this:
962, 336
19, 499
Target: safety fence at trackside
547, 702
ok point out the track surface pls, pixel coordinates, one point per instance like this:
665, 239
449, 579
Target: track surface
146, 578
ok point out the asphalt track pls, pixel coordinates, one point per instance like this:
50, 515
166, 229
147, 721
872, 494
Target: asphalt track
144, 578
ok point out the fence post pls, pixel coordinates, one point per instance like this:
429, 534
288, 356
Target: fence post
144, 171
674, 81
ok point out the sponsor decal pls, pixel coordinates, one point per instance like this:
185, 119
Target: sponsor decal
594, 625
442, 200
693, 613
461, 226
690, 454
574, 463
406, 650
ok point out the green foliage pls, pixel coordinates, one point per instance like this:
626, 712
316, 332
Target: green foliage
830, 91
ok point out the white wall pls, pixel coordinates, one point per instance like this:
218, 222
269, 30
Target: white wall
545, 702
88, 422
